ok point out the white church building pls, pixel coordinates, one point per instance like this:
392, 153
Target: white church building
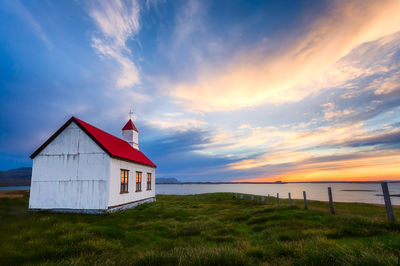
81, 168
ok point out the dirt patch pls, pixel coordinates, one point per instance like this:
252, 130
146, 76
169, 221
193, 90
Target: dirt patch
13, 193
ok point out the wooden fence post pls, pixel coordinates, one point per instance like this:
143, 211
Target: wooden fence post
330, 200
290, 200
252, 197
241, 196
269, 199
277, 199
388, 203
305, 200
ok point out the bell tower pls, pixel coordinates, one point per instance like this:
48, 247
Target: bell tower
130, 134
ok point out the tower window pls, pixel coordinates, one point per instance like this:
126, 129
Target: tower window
124, 181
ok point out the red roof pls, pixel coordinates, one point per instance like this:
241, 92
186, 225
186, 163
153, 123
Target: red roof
113, 146
129, 125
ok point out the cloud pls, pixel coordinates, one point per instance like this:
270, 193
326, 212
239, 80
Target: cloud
180, 141
170, 122
387, 85
266, 146
296, 69
117, 22
390, 139
154, 4
330, 111
19, 9
336, 152
188, 21
177, 154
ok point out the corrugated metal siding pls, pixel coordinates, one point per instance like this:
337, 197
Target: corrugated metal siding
70, 172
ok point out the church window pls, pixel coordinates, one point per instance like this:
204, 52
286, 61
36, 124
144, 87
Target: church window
148, 181
138, 181
124, 180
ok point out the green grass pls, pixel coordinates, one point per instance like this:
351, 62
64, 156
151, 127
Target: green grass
208, 229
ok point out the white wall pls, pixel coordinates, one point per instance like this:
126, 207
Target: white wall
132, 137
115, 197
72, 172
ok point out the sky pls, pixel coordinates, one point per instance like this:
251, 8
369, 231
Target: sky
221, 90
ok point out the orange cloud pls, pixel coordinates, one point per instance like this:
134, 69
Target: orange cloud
341, 156
302, 67
280, 146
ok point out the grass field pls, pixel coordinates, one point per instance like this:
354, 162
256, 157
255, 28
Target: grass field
208, 229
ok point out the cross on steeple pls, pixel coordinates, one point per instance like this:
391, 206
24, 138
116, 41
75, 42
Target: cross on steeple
130, 114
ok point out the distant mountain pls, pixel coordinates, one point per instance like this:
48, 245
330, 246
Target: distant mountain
166, 180
16, 177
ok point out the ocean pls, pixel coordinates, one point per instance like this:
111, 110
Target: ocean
15, 188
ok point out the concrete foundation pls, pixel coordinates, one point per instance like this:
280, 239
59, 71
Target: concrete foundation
100, 211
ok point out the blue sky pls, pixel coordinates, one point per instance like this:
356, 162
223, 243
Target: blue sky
222, 90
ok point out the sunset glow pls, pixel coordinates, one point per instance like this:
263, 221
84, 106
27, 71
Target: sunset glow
364, 169
257, 92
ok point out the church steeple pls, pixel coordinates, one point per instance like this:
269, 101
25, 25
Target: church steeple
130, 134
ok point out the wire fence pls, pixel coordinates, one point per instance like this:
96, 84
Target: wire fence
268, 199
